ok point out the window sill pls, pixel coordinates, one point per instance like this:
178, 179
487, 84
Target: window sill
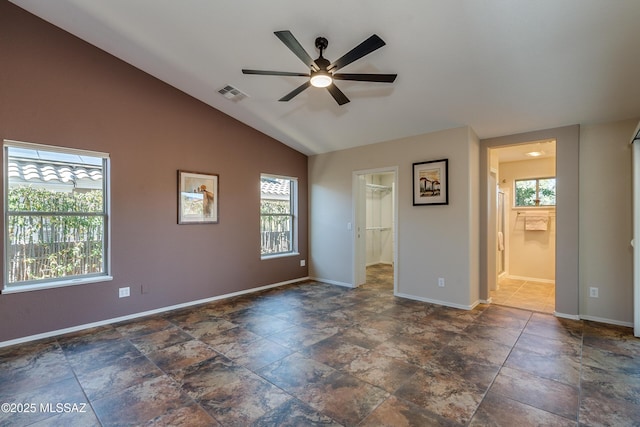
57, 284
285, 255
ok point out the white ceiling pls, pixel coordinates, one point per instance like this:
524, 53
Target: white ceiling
499, 66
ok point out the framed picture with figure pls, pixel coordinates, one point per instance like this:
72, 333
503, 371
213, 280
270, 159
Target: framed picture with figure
198, 198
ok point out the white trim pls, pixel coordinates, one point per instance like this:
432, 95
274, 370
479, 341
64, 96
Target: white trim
14, 289
438, 302
332, 282
395, 170
531, 279
566, 316
143, 313
280, 255
609, 321
56, 148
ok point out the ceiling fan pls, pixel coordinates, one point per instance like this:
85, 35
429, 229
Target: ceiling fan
322, 72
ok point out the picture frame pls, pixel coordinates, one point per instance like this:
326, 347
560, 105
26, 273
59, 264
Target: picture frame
198, 198
431, 183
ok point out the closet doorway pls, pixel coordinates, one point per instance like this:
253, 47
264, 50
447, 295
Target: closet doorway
375, 213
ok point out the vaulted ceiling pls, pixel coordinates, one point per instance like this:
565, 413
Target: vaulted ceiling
499, 66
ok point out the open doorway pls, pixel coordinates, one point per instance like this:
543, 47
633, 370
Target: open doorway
522, 222
375, 213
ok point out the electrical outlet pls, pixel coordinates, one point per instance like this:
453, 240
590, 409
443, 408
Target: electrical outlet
144, 289
124, 292
593, 292
303, 262
441, 282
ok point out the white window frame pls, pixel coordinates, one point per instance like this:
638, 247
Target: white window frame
48, 283
537, 180
293, 200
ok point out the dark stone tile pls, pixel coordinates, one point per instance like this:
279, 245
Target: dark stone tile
31, 366
565, 369
409, 350
443, 393
42, 403
185, 416
496, 410
139, 327
395, 412
610, 384
548, 346
96, 356
256, 354
298, 337
294, 414
344, 398
380, 370
230, 393
334, 351
549, 326
161, 339
138, 404
597, 411
497, 334
182, 355
123, 373
296, 373
548, 395
207, 328
614, 362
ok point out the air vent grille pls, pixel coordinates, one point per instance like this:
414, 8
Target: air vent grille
232, 93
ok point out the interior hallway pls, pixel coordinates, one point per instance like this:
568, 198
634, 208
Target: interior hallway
318, 354
525, 294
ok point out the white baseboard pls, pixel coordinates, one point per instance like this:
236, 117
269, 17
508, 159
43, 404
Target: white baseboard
530, 279
142, 314
566, 316
332, 282
438, 302
609, 321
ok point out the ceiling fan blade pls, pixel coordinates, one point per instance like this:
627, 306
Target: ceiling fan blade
294, 92
337, 94
366, 47
274, 73
290, 41
380, 78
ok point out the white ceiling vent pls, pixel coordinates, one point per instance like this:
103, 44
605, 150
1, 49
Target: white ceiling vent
232, 93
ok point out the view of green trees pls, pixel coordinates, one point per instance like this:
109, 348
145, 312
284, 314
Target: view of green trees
536, 192
51, 235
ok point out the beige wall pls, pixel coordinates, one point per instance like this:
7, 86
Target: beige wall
433, 241
58, 90
531, 254
606, 227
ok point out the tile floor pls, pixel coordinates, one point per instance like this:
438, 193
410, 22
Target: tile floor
525, 294
314, 354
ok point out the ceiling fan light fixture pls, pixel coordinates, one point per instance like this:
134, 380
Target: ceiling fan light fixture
321, 79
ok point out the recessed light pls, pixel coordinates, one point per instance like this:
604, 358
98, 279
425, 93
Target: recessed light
534, 153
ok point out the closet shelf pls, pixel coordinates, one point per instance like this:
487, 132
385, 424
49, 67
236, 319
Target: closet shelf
376, 187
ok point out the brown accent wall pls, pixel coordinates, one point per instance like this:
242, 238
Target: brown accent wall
58, 90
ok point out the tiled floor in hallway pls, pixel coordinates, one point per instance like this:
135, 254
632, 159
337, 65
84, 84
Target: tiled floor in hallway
320, 355
525, 294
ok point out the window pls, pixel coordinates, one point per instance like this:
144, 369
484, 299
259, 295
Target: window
535, 192
277, 215
56, 216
